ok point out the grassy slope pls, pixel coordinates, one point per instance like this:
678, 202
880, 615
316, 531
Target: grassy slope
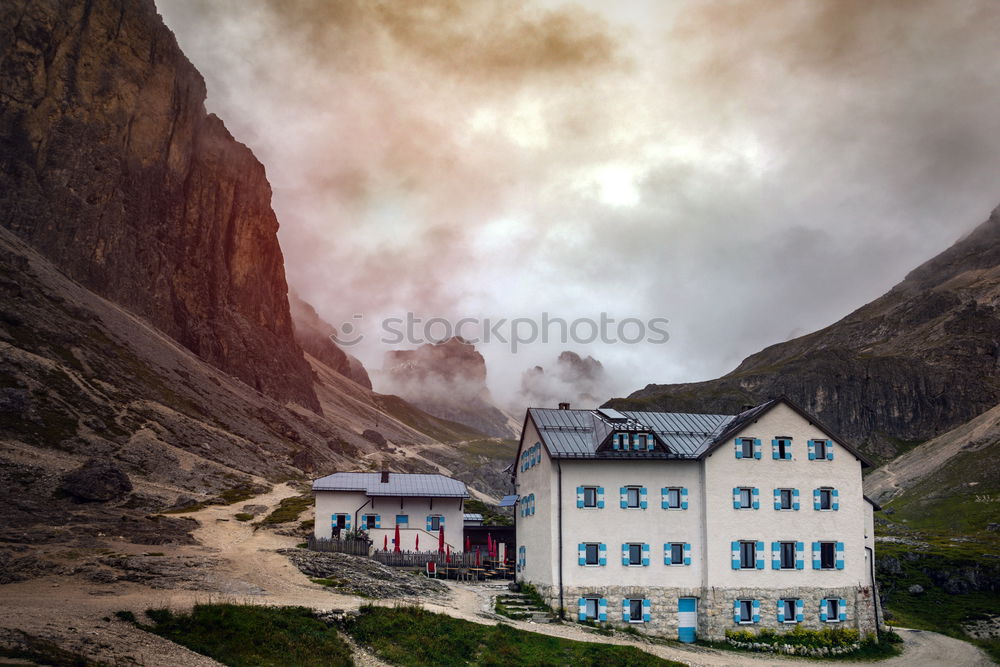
413, 636
245, 636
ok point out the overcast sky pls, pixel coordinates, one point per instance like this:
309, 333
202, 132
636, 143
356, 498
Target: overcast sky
750, 170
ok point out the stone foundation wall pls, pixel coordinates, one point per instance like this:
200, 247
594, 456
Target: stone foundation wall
715, 607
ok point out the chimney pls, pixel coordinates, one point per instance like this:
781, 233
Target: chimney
564, 406
385, 477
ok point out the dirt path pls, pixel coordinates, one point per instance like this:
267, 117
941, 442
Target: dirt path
79, 615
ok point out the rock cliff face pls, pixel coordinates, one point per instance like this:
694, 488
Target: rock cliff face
313, 333
111, 167
447, 380
919, 361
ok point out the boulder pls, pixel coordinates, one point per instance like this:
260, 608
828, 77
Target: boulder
96, 481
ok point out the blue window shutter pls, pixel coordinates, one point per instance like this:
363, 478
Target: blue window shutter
760, 555
829, 450
736, 497
812, 450
799, 556
643, 498
788, 450
755, 495
663, 498
614, 441
666, 553
625, 558
774, 448
687, 553
776, 556
602, 610
579, 497
600, 497
623, 497
795, 499
429, 518
378, 520
840, 555
756, 611
347, 523
781, 611
777, 499
684, 498
645, 555
581, 552
625, 609
736, 611
816, 505
603, 554
822, 611
843, 609
799, 611
835, 500
532, 500
739, 448
756, 448
815, 550
647, 611
581, 609
735, 546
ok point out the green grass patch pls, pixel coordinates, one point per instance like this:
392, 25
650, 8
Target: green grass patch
243, 516
411, 636
926, 565
341, 586
230, 496
289, 509
250, 636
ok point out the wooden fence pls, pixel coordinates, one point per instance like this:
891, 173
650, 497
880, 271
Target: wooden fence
353, 547
421, 558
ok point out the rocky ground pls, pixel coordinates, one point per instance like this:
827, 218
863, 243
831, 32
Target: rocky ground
72, 610
362, 576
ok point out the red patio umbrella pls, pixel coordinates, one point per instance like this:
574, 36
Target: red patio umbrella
477, 557
395, 542
417, 545
385, 543
468, 543
441, 540
447, 556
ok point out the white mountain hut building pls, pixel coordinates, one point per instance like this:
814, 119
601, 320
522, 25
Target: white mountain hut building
687, 525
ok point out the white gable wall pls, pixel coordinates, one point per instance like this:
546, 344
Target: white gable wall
723, 472
329, 503
537, 533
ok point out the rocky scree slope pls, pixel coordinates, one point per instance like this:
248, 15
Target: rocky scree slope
920, 360
111, 167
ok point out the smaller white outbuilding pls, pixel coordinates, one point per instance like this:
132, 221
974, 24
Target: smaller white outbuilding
380, 502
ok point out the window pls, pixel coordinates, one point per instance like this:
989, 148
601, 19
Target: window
675, 553
592, 606
340, 521
403, 520
590, 496
788, 610
744, 611
592, 554
632, 497
832, 609
786, 552
820, 450
781, 449
371, 521
635, 611
635, 554
434, 523
825, 499
672, 499
745, 448
827, 555
748, 555
746, 498
784, 499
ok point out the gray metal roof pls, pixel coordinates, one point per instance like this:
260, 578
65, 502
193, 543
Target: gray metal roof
399, 484
508, 501
578, 433
472, 517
